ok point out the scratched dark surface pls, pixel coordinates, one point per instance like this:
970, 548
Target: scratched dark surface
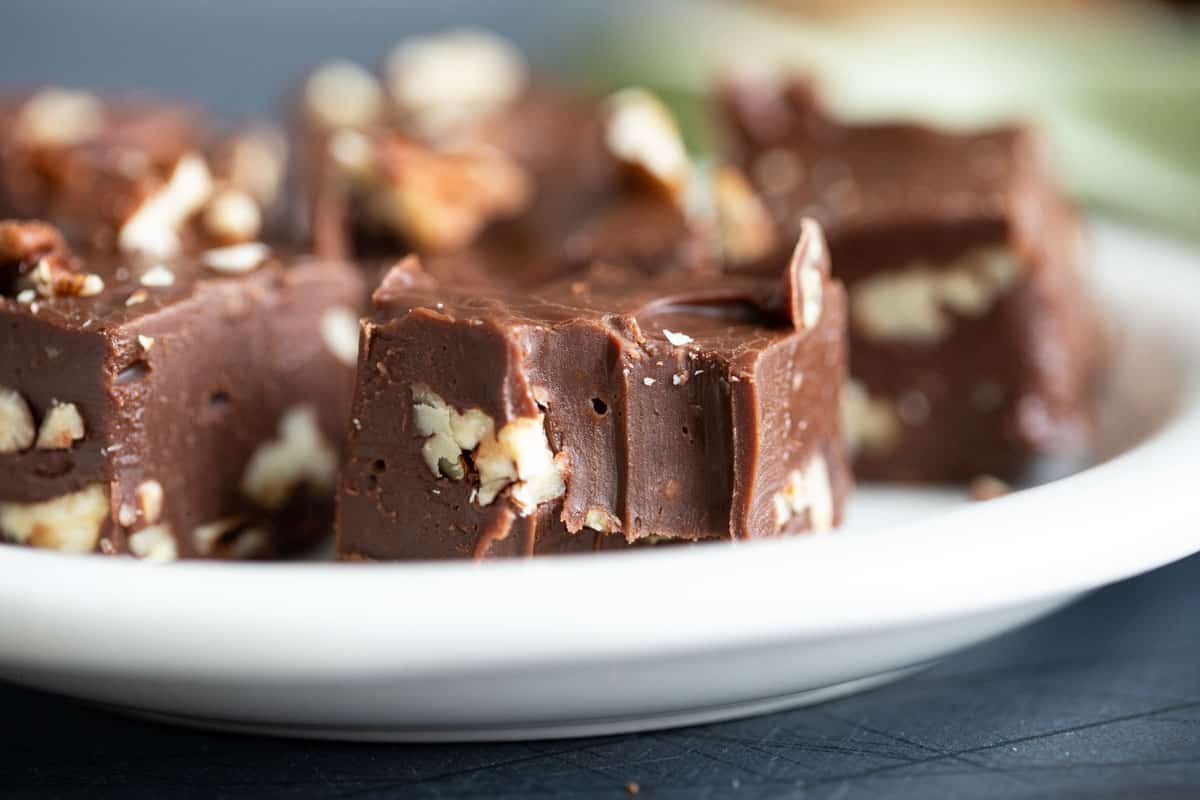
1101, 700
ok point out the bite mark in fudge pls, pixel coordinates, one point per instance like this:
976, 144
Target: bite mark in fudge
974, 341
136, 175
615, 407
136, 427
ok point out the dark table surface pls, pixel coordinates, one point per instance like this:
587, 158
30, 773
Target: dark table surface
1099, 700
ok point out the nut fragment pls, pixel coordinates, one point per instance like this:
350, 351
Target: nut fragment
70, 522
988, 487
158, 276
155, 543
519, 455
598, 519
642, 133
233, 216
60, 118
237, 259
55, 276
257, 162
62, 427
538, 475
677, 339
352, 152
441, 200
807, 490
809, 252
746, 230
341, 94
250, 543
154, 227
16, 422
869, 424
206, 537
911, 304
150, 499
301, 455
339, 329
27, 241
443, 83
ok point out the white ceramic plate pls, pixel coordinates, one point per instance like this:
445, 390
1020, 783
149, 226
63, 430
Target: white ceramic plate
584, 645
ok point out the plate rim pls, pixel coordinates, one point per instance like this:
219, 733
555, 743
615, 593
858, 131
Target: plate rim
167, 618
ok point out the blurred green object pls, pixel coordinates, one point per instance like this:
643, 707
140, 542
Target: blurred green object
1115, 90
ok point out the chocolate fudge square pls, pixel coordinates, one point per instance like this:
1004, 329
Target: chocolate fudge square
974, 342
133, 174
420, 159
192, 407
613, 408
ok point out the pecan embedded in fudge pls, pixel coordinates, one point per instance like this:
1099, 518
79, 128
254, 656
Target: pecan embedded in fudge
431, 158
612, 408
181, 408
135, 175
974, 341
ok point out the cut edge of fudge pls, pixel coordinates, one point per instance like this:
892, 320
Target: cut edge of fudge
976, 345
577, 421
187, 408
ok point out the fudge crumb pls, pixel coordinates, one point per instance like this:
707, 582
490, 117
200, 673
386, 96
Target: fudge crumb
677, 339
632, 787
988, 487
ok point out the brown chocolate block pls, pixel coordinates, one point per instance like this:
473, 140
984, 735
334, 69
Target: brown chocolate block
181, 408
618, 406
974, 342
137, 175
421, 159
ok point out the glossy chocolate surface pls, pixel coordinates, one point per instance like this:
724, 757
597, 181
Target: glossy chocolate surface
677, 401
1011, 374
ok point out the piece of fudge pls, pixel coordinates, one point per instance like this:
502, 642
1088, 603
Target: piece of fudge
617, 406
974, 343
137, 175
188, 407
454, 144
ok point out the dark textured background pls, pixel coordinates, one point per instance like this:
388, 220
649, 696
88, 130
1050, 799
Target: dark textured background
1102, 700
